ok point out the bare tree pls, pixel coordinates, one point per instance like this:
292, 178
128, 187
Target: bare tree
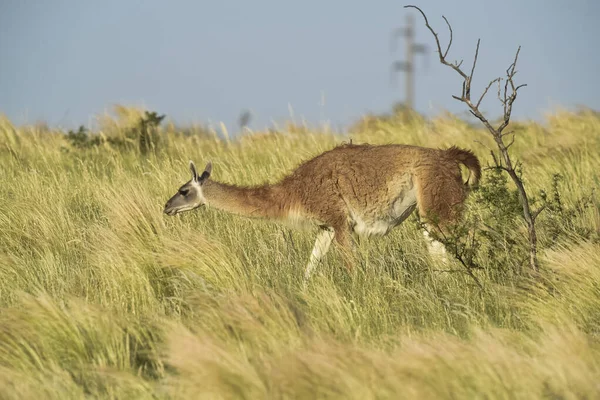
507, 97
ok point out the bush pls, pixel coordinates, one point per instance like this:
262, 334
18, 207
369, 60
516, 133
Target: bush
144, 137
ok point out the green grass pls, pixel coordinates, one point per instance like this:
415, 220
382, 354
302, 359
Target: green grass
101, 295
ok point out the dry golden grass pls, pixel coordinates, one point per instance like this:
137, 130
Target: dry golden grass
101, 295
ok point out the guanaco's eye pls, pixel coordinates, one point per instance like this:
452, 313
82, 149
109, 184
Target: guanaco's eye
184, 192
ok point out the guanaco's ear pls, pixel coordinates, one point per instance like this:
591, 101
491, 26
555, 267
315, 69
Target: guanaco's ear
193, 171
206, 172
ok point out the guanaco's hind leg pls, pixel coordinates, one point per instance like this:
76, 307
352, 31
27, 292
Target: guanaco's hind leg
343, 238
435, 248
439, 202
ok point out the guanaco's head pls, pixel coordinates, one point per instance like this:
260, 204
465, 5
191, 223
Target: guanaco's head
189, 196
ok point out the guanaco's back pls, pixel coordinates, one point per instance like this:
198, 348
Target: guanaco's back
367, 184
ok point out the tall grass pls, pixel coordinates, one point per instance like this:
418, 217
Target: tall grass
101, 295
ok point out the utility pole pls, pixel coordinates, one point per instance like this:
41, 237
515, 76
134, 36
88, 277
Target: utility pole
411, 48
244, 119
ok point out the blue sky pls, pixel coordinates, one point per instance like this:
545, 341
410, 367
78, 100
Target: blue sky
66, 61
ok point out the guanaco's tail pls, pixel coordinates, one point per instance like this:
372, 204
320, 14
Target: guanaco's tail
468, 159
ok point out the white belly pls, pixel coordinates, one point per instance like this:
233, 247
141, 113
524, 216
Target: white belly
380, 223
297, 220
372, 227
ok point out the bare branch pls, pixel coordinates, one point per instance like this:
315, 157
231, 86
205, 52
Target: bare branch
509, 98
535, 214
482, 144
514, 64
496, 163
450, 42
512, 141
435, 35
518, 166
505, 98
485, 91
469, 80
437, 43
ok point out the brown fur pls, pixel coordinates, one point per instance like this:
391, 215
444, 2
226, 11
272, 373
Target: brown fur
369, 177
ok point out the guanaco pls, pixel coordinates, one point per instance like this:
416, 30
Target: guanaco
351, 189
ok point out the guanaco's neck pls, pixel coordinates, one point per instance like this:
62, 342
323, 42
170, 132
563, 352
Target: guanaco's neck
267, 201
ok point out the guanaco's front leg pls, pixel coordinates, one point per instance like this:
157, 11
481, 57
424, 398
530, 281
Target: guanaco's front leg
324, 239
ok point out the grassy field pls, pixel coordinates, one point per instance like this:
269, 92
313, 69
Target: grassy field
101, 295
